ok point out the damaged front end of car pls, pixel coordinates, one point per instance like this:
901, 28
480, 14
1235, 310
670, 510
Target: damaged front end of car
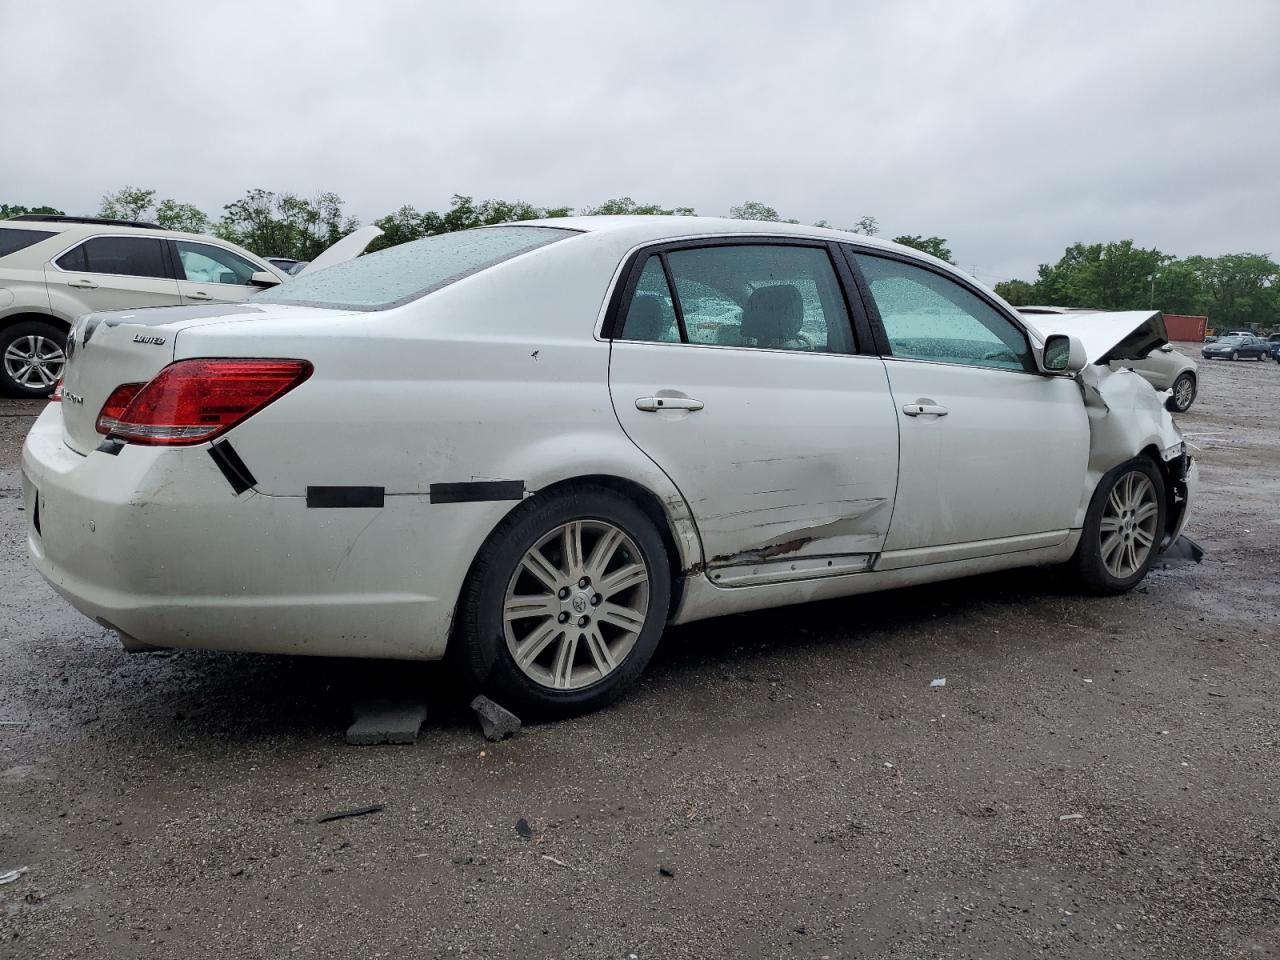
1127, 415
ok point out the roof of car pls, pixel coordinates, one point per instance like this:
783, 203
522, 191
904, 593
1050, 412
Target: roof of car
101, 221
643, 228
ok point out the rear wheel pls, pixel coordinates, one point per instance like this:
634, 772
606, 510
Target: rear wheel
1235, 354
564, 604
32, 358
1123, 528
1184, 393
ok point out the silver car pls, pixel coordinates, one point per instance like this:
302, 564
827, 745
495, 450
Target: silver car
1147, 352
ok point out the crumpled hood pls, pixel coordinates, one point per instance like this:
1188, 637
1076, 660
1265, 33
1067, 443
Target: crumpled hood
1107, 336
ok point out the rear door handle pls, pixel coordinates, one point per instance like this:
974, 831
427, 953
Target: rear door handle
654, 404
924, 408
199, 295
82, 284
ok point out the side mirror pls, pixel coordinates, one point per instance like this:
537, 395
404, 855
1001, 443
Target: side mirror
1063, 354
264, 279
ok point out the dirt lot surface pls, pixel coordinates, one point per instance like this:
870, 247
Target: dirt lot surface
1098, 778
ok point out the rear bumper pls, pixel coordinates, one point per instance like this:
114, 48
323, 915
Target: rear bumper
155, 544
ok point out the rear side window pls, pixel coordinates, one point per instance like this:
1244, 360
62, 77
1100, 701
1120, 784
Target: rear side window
11, 241
765, 296
120, 256
388, 278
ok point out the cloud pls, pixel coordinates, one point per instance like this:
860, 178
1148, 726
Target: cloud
1011, 128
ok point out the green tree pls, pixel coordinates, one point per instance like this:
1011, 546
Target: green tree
185, 217
284, 224
936, 246
1017, 292
408, 223
1106, 276
754, 210
8, 210
1239, 290
867, 226
127, 203
625, 206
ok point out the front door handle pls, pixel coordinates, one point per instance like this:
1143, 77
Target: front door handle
199, 295
654, 404
82, 284
924, 408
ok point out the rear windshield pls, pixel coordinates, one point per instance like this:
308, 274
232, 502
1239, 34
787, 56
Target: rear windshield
13, 240
406, 272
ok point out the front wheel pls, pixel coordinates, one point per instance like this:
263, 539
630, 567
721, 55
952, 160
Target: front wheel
564, 604
1235, 354
1184, 393
1123, 528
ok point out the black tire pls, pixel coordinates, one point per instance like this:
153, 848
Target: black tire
1261, 356
9, 336
478, 649
1087, 562
1172, 403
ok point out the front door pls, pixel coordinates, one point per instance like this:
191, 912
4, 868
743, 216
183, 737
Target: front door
992, 450
745, 387
208, 272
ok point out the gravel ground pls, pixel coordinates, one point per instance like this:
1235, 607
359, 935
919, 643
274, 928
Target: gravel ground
781, 784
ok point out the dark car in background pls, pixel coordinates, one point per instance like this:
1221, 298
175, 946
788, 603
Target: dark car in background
1235, 347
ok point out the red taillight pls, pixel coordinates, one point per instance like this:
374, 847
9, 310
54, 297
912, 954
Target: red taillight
192, 401
56, 396
114, 408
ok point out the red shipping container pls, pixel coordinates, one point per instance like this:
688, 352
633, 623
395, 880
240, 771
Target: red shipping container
1188, 329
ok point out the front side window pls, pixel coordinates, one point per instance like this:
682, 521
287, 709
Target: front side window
206, 263
926, 316
121, 256
772, 297
388, 278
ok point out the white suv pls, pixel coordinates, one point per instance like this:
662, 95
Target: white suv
53, 269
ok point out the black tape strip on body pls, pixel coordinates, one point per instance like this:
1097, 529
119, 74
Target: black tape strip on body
232, 467
336, 497
111, 446
477, 490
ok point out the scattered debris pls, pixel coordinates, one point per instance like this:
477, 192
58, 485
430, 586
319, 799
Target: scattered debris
939, 682
496, 721
666, 871
387, 721
11, 875
357, 812
523, 828
558, 863
1071, 816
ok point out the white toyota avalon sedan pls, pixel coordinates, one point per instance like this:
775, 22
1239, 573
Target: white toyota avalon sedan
529, 447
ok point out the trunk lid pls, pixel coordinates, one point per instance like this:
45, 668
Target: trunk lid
105, 350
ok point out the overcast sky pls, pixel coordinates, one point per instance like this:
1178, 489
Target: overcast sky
1011, 128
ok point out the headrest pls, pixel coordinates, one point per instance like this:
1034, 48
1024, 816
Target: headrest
773, 313
645, 320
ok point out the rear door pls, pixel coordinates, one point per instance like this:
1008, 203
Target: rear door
111, 272
993, 452
734, 367
209, 272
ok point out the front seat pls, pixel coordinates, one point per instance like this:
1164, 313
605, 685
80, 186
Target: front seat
772, 317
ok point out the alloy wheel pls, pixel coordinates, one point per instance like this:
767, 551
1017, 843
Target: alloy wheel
1184, 392
576, 604
1128, 528
34, 361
